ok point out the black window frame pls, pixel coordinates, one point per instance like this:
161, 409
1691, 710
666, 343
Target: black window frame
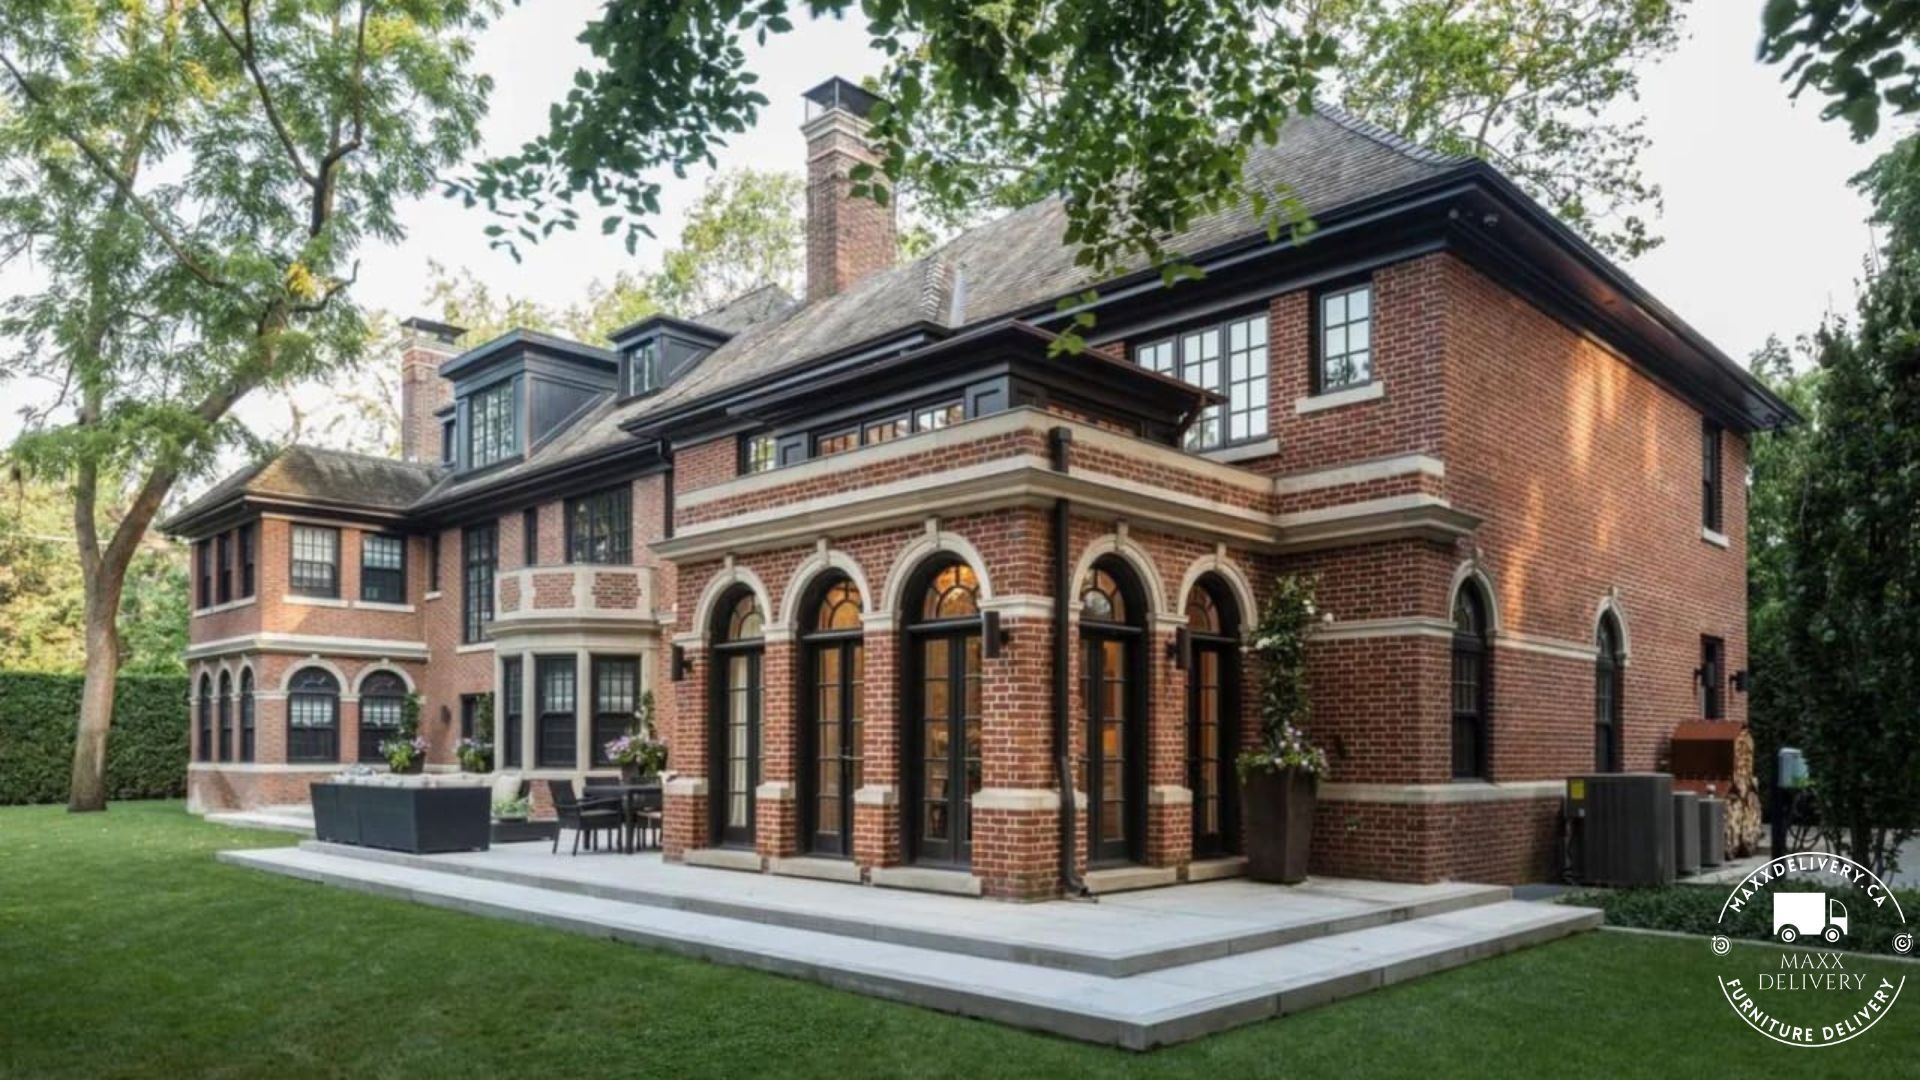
479, 561
246, 715
386, 579
223, 567
1713, 677
643, 368
244, 542
611, 722
1712, 487
530, 536
608, 536
330, 589
205, 710
834, 435
386, 693
1317, 347
752, 460
449, 441
203, 572
1476, 650
484, 413
553, 723
312, 687
1167, 354
223, 744
512, 710
433, 563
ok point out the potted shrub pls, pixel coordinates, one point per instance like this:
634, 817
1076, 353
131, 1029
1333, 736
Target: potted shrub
476, 751
639, 752
1279, 780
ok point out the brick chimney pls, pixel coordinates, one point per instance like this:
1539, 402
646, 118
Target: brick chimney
424, 346
848, 238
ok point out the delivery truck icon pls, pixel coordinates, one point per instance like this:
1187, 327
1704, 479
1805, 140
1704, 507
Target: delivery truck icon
1808, 913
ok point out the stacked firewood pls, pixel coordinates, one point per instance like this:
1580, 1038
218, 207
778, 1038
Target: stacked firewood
1717, 759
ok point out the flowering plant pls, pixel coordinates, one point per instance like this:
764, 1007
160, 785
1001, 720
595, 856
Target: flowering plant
402, 753
640, 747
1280, 643
476, 754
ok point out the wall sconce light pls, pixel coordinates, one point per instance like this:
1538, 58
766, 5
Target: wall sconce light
993, 637
1180, 649
680, 664
1743, 680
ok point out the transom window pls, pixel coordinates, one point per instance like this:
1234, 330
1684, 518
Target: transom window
490, 426
316, 561
1203, 615
954, 593
838, 442
743, 620
1101, 599
1346, 339
600, 527
839, 607
383, 569
1230, 359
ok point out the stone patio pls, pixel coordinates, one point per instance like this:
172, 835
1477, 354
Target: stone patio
1137, 969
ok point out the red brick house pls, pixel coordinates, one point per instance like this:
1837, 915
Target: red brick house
899, 579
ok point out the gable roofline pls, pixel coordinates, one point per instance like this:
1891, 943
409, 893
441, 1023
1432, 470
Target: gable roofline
662, 319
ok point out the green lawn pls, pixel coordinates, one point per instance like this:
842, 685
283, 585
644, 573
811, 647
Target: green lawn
125, 950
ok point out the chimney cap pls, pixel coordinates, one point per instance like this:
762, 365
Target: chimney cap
445, 333
838, 93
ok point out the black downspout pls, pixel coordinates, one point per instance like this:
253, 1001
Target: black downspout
1059, 440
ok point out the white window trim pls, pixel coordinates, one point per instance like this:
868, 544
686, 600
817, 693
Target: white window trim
313, 601
1334, 399
1717, 539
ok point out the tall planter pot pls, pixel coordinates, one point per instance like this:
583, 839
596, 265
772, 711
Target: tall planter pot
1278, 804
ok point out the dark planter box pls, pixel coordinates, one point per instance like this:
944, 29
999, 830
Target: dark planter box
515, 832
1279, 824
418, 820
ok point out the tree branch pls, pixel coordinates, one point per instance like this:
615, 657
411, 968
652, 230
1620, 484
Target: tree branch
249, 59
323, 185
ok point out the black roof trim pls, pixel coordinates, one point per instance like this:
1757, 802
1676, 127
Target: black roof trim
524, 339
637, 328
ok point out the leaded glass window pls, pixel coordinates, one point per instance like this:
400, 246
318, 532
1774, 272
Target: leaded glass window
600, 527
491, 431
313, 716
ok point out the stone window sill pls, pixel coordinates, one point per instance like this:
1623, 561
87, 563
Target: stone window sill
1717, 539
228, 606
1372, 391
1244, 452
376, 605
313, 601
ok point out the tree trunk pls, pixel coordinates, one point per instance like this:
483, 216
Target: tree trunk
88, 788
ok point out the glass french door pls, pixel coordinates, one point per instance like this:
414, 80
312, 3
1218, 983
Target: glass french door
1115, 799
1210, 741
946, 744
737, 743
838, 675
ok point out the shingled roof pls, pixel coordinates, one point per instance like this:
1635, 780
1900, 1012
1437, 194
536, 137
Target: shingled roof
315, 475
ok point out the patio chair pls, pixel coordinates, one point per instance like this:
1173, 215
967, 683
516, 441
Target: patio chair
648, 813
588, 816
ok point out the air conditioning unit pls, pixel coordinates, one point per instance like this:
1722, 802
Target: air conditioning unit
1620, 828
1713, 831
1686, 833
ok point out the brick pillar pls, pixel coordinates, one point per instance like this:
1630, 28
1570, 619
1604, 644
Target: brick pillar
848, 237
877, 839
1169, 839
685, 815
776, 827
1016, 824
425, 346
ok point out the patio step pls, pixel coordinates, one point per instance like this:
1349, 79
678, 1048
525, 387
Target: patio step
287, 819
1138, 1012
1194, 923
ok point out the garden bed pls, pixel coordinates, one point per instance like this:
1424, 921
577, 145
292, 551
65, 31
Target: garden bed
1695, 909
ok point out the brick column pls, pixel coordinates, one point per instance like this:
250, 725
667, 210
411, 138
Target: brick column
685, 816
1169, 839
776, 827
877, 839
1016, 825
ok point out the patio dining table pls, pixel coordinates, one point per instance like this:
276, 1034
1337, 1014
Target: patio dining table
630, 812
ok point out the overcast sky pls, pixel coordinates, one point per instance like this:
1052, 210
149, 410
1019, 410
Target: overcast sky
1763, 235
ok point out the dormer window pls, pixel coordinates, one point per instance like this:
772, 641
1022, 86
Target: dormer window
446, 441
643, 368
491, 431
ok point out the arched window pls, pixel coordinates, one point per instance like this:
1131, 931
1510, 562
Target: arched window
1112, 685
1469, 683
223, 748
734, 744
1213, 704
313, 716
246, 715
383, 699
1609, 682
944, 702
206, 718
835, 675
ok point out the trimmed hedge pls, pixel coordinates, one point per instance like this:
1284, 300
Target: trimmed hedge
1695, 909
146, 752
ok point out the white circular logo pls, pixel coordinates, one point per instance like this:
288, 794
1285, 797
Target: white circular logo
1820, 912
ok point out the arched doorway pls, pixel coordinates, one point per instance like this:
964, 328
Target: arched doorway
1609, 682
734, 740
1469, 683
1113, 614
943, 695
1213, 709
835, 676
